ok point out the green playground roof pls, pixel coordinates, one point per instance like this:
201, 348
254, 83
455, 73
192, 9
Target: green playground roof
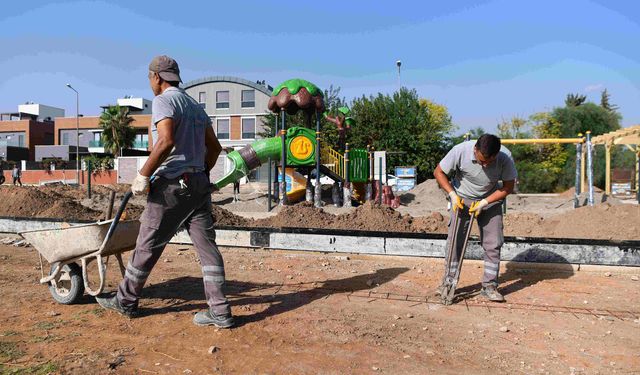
294, 85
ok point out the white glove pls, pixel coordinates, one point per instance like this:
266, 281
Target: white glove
477, 207
456, 202
140, 185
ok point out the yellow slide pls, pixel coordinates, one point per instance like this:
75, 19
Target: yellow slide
298, 185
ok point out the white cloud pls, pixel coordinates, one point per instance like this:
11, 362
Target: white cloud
594, 87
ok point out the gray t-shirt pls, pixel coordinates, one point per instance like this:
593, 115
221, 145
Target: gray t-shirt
190, 122
470, 179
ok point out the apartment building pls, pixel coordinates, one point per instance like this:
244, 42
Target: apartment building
21, 131
237, 108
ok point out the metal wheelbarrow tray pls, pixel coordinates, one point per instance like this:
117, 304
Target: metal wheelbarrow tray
85, 243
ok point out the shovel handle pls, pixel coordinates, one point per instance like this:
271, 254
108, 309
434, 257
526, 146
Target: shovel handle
116, 219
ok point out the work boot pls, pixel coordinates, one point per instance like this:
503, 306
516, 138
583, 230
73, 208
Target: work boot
491, 293
112, 303
206, 318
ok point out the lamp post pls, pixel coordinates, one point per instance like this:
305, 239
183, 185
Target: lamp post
77, 133
399, 64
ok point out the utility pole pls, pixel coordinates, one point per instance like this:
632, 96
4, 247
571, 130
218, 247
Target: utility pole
77, 133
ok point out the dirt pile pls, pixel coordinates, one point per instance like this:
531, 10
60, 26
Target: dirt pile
35, 202
604, 221
366, 217
223, 217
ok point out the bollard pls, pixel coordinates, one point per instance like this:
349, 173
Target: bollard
576, 202
380, 183
367, 193
318, 190
590, 168
346, 201
269, 185
283, 161
89, 180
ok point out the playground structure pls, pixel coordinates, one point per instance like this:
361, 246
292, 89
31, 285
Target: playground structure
628, 137
300, 151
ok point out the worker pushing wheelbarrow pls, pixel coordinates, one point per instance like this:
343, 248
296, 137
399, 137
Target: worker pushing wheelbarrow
176, 179
482, 174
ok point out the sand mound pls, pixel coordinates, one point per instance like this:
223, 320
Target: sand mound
35, 202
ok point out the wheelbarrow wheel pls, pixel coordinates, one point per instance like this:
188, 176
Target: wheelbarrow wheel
67, 287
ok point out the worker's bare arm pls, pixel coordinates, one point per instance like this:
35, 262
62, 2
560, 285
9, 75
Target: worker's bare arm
443, 179
161, 148
501, 193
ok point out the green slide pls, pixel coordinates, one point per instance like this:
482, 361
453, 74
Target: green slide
250, 157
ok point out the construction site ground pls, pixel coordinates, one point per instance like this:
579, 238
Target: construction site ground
323, 313
314, 313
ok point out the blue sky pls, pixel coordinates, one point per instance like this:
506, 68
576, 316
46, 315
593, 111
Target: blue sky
484, 60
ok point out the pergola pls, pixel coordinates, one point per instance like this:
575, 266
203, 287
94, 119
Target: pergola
628, 137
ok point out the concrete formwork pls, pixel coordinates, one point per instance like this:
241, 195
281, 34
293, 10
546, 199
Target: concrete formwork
537, 250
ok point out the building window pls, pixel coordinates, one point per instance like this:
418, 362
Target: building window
202, 99
248, 98
222, 128
65, 139
20, 140
222, 99
248, 128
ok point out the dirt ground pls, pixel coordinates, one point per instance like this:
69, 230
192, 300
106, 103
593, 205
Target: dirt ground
423, 209
313, 313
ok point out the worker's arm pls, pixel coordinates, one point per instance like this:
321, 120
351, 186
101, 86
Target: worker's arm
501, 193
161, 149
213, 148
443, 179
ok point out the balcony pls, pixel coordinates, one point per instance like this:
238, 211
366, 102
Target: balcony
96, 144
141, 144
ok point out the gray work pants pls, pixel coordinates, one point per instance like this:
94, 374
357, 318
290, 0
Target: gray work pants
169, 206
491, 237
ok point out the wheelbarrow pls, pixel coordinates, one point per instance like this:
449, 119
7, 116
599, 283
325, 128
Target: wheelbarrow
63, 248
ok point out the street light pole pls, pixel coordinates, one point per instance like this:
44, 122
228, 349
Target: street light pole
399, 64
77, 133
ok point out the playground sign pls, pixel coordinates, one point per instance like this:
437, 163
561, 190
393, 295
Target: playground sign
405, 178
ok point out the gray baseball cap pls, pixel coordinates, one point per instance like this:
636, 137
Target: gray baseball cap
166, 67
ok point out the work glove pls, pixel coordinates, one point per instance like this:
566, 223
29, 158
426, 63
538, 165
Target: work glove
477, 207
140, 185
456, 201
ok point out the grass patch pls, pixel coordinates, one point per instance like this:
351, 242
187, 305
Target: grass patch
9, 351
41, 369
9, 333
47, 338
46, 326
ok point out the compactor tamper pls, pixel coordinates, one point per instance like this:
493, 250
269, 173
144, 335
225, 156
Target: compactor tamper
449, 283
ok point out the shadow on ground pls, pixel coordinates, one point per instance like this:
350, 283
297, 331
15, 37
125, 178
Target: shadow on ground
518, 276
187, 293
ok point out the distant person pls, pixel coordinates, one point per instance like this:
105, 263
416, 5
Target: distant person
475, 168
236, 191
16, 174
182, 157
2, 179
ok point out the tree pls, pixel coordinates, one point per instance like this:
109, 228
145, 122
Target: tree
513, 128
117, 132
604, 102
539, 165
575, 100
411, 130
588, 116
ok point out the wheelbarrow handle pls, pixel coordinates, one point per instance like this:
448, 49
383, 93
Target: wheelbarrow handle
116, 219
